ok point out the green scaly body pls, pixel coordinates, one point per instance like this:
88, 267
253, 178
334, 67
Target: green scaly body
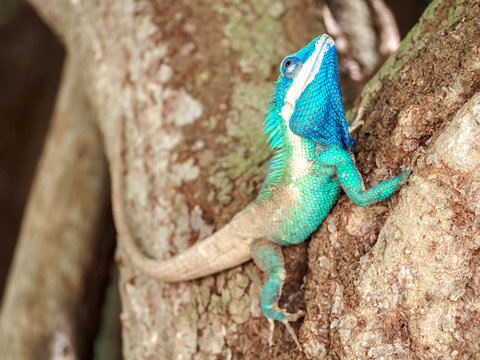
312, 162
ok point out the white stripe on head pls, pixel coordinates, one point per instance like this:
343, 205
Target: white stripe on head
306, 75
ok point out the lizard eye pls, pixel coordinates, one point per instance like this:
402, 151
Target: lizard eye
290, 67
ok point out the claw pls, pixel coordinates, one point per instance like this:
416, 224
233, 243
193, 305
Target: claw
271, 322
293, 335
286, 322
407, 170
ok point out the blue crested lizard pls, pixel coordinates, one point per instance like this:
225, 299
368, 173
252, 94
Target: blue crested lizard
312, 162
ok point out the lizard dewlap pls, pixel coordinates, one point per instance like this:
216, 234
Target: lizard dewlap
312, 163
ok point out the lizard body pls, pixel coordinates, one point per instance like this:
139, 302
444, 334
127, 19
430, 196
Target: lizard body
312, 162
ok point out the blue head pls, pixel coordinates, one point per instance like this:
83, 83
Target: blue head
308, 94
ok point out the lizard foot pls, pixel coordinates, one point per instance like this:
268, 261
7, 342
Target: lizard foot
293, 317
285, 318
408, 168
268, 256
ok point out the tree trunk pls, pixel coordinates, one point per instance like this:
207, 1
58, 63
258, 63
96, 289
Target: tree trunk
394, 280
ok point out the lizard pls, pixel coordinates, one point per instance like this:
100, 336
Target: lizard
312, 162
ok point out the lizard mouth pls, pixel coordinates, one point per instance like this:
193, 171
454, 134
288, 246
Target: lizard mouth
306, 75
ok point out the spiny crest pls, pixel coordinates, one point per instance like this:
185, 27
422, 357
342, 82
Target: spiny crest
273, 124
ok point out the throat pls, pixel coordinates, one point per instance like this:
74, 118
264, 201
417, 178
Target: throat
300, 164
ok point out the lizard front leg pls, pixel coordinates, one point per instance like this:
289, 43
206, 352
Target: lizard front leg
268, 257
351, 181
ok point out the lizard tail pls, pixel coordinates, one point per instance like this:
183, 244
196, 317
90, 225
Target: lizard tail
222, 250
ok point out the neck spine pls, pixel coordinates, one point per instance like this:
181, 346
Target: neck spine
278, 138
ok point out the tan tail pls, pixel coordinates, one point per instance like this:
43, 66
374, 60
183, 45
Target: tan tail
228, 247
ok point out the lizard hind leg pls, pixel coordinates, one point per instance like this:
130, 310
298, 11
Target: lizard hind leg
268, 257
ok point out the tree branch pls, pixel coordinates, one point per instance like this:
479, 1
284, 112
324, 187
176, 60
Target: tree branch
44, 306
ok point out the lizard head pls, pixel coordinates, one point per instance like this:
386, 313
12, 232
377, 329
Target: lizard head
309, 96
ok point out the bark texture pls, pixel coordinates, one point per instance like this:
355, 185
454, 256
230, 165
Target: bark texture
190, 81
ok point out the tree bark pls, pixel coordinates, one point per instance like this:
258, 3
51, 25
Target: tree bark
190, 82
50, 306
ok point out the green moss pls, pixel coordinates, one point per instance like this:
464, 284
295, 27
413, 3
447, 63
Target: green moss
398, 59
250, 32
248, 151
202, 78
429, 12
205, 158
456, 12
